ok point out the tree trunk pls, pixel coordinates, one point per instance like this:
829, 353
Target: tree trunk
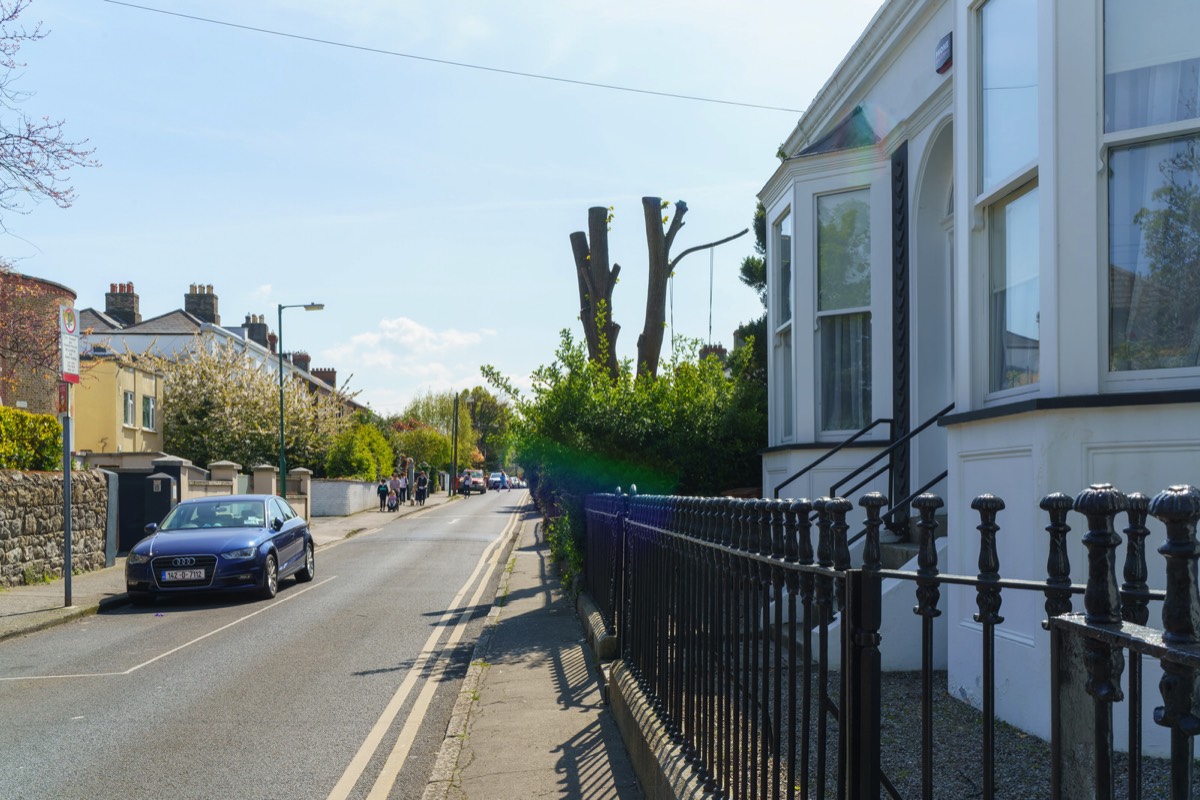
596, 282
658, 242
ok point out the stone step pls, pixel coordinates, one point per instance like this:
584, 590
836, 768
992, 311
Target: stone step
897, 554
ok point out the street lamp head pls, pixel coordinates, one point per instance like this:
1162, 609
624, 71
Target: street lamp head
314, 306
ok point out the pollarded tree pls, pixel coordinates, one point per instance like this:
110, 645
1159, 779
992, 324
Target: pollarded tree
220, 404
597, 279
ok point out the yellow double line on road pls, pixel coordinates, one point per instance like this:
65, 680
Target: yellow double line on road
433, 656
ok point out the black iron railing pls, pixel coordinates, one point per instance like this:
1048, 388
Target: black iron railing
724, 610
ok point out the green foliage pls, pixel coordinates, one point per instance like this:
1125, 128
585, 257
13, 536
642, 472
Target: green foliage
691, 430
425, 445
437, 412
490, 418
219, 403
565, 539
29, 441
361, 453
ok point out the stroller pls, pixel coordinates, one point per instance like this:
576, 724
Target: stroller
393, 502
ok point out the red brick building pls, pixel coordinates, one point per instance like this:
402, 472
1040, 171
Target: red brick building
29, 354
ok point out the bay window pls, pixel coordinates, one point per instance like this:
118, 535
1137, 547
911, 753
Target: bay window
1152, 136
781, 252
1008, 150
844, 309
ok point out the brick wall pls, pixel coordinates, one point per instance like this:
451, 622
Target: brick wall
31, 523
29, 364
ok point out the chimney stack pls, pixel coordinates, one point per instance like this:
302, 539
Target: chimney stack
256, 330
272, 340
301, 359
200, 302
325, 374
121, 303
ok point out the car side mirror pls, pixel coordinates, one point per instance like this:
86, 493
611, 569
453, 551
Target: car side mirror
277, 524
151, 528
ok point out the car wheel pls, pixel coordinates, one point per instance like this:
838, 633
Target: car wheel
270, 578
309, 569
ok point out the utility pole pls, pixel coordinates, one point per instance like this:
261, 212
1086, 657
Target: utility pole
454, 448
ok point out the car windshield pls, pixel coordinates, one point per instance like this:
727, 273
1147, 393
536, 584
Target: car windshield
215, 514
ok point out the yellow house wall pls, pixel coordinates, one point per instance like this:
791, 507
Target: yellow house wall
99, 409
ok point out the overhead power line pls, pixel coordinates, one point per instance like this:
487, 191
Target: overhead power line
446, 62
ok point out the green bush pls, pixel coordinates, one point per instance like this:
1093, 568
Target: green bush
692, 430
29, 441
361, 453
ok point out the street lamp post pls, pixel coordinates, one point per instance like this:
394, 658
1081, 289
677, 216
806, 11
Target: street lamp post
282, 451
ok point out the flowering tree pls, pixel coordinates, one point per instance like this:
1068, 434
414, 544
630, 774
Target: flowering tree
220, 404
35, 154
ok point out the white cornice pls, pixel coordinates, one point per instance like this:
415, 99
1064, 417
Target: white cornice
890, 23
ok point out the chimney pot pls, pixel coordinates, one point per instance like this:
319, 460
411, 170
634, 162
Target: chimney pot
112, 287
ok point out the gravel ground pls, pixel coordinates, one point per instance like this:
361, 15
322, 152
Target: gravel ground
1022, 761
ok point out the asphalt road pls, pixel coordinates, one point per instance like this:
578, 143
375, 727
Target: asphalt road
339, 688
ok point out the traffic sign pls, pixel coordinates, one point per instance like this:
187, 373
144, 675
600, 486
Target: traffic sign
68, 341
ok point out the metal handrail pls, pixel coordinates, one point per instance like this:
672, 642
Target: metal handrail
853, 438
887, 451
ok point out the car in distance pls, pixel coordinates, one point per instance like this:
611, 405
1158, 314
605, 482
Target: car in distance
478, 482
233, 543
494, 480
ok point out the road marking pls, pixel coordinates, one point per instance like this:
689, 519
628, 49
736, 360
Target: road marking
408, 734
290, 596
354, 770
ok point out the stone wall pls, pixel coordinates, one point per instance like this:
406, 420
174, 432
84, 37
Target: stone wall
31, 524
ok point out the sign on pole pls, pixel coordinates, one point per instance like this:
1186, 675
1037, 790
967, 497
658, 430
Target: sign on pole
68, 340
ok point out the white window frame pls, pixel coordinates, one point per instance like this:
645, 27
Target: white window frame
819, 315
149, 403
129, 411
783, 392
1140, 379
985, 200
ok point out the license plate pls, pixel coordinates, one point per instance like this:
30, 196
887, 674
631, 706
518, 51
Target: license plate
183, 575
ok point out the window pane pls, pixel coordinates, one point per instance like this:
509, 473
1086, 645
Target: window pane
844, 250
148, 413
1015, 296
128, 396
783, 258
1151, 63
784, 383
1009, 91
845, 371
1154, 255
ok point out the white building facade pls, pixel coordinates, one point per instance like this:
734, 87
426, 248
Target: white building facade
995, 205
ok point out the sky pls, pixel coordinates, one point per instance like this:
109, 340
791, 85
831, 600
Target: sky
428, 206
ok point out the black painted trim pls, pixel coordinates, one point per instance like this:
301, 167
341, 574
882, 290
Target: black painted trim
1082, 401
876, 444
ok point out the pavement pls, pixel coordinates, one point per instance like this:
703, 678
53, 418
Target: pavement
530, 720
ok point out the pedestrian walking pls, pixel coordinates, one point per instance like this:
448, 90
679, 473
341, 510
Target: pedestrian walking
504, 481
422, 487
403, 493
382, 490
464, 483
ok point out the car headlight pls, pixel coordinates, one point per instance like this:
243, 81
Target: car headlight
137, 558
239, 555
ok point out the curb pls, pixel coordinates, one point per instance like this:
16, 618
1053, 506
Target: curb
445, 768
660, 763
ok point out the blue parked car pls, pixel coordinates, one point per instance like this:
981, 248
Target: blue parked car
240, 542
